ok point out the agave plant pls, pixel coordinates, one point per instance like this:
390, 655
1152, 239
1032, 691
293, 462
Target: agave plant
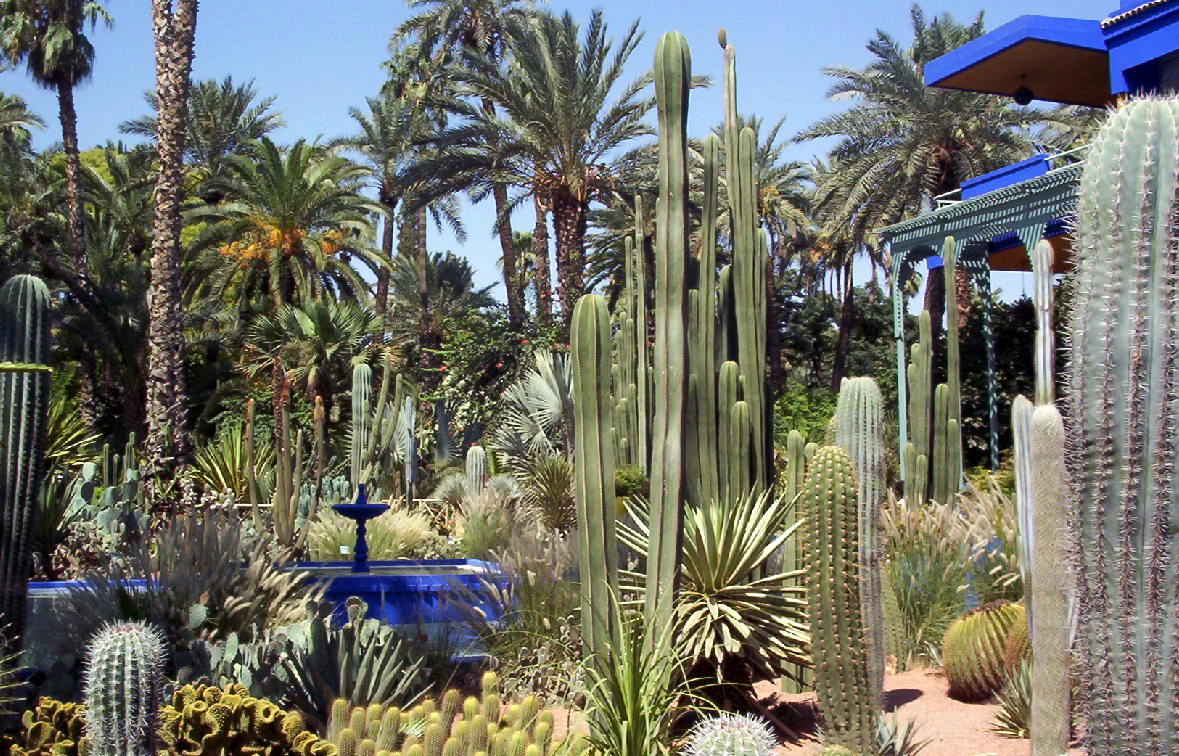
70, 441
546, 485
220, 465
731, 604
897, 738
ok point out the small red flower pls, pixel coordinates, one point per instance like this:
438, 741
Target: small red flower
443, 368
499, 365
523, 341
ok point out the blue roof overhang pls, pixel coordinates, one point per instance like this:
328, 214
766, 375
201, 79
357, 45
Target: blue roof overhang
1060, 59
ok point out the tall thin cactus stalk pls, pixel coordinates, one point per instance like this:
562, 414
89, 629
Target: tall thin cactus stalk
24, 410
594, 472
673, 75
1123, 398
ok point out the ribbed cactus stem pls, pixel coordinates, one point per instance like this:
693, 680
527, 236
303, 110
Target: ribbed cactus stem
24, 410
124, 690
1122, 399
740, 438
1045, 328
749, 267
594, 470
673, 75
362, 383
1021, 434
859, 431
845, 690
953, 453
703, 350
939, 461
644, 395
1050, 586
728, 394
476, 468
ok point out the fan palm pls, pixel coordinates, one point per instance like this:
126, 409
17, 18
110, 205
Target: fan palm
315, 343
290, 227
223, 118
536, 414
559, 129
50, 38
901, 143
16, 122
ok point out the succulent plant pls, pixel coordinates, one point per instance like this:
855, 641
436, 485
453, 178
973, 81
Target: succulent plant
24, 410
847, 696
210, 721
124, 689
1120, 384
731, 735
52, 728
974, 647
1014, 717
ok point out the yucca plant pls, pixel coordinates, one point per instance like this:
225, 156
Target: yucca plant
731, 604
546, 486
69, 440
1014, 717
633, 698
897, 738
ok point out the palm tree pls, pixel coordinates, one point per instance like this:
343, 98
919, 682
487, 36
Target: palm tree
902, 144
167, 442
385, 142
559, 130
315, 343
16, 122
476, 27
223, 118
49, 36
449, 283
289, 229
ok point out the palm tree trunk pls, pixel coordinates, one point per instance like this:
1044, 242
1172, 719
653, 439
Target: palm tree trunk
540, 255
73, 173
167, 427
569, 224
847, 315
513, 286
382, 295
962, 295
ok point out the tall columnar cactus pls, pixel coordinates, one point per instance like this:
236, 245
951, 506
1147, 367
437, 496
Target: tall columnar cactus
749, 268
476, 468
124, 689
24, 409
952, 455
702, 348
673, 75
918, 450
1122, 386
859, 430
847, 695
594, 470
793, 476
644, 390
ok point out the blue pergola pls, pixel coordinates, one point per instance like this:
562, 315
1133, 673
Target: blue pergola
1004, 214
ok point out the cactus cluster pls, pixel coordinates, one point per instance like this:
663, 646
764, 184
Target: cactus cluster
52, 728
1121, 387
124, 689
24, 409
974, 650
843, 679
209, 721
451, 727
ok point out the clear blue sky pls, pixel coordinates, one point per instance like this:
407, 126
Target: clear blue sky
321, 57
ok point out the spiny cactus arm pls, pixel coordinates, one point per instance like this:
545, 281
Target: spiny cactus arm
1045, 328
704, 353
673, 74
124, 690
643, 355
362, 384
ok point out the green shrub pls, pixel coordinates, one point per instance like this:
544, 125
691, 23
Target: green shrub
397, 534
1014, 717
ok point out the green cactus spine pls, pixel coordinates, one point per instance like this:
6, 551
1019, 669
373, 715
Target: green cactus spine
24, 409
673, 75
124, 689
1121, 394
974, 648
594, 470
843, 682
859, 420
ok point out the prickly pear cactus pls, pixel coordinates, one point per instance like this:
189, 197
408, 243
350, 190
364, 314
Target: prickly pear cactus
1123, 395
